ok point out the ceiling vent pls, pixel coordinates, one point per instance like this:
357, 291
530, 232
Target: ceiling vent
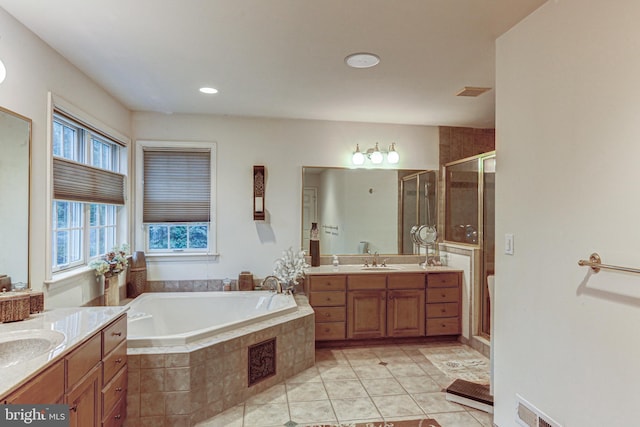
473, 91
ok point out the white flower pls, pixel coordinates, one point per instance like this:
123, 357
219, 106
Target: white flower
290, 267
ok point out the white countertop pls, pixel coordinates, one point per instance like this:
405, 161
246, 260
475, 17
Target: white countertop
76, 323
360, 269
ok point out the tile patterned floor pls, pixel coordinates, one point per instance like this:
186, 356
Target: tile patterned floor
366, 384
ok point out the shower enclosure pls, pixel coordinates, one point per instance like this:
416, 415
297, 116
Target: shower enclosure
470, 220
419, 206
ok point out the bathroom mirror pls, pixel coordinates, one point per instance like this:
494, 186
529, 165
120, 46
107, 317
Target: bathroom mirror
360, 210
15, 161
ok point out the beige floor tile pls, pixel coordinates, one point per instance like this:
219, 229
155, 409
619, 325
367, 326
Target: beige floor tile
355, 409
433, 403
397, 406
344, 389
330, 356
456, 419
382, 387
484, 418
339, 372
430, 368
442, 380
275, 394
372, 372
419, 384
266, 415
232, 417
305, 392
308, 375
405, 369
317, 412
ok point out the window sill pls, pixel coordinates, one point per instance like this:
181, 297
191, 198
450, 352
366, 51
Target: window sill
67, 277
178, 256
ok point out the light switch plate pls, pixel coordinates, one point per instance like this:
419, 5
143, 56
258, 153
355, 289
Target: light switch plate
508, 244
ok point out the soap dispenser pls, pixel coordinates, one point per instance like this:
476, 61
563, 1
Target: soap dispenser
335, 263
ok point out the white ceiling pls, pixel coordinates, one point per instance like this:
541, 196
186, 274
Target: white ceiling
285, 58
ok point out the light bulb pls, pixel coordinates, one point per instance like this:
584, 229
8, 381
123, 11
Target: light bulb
358, 157
392, 156
376, 156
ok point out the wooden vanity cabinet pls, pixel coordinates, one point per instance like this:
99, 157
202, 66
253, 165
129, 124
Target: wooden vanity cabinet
406, 305
443, 304
366, 306
328, 299
91, 379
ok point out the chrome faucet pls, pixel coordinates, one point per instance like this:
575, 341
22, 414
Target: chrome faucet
277, 287
374, 263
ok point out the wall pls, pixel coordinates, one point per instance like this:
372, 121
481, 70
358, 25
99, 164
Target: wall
567, 185
33, 70
283, 146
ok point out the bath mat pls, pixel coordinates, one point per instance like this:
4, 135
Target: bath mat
470, 394
425, 422
459, 363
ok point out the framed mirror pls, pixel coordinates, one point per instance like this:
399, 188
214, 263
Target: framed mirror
15, 163
367, 210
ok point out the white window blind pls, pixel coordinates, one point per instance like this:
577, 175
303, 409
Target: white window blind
177, 185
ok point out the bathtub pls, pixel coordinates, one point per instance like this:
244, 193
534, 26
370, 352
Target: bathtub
180, 318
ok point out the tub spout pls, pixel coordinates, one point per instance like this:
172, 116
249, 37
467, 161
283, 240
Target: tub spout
276, 286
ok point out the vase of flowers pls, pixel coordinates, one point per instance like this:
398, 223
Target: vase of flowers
290, 268
112, 263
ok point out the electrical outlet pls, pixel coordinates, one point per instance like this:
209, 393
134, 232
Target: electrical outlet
508, 244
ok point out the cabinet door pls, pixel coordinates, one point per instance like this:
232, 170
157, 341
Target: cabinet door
405, 313
84, 400
367, 314
47, 387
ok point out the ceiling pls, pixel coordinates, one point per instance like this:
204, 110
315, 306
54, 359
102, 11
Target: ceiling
285, 58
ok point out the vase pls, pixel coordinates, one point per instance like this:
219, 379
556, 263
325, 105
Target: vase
137, 275
112, 289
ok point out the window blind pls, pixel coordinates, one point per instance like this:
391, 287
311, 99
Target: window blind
177, 185
78, 182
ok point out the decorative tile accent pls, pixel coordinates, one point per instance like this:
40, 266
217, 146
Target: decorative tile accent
262, 361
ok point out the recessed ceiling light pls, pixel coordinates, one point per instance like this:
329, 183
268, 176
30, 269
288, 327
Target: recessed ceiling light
362, 60
208, 90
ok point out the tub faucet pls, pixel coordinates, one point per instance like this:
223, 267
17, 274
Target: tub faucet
276, 287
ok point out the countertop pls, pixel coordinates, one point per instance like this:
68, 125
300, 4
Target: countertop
76, 323
360, 269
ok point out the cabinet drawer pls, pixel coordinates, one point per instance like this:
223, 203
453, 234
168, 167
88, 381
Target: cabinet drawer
118, 414
446, 309
114, 391
444, 326
406, 281
326, 298
443, 295
330, 331
367, 281
47, 387
329, 314
82, 359
442, 280
327, 283
113, 362
114, 334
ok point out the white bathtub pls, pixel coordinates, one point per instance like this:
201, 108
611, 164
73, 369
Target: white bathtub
179, 318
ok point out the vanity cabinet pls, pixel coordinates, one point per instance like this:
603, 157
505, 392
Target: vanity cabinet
91, 379
362, 306
366, 306
328, 298
443, 304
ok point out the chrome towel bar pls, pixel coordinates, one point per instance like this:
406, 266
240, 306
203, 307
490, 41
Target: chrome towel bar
595, 262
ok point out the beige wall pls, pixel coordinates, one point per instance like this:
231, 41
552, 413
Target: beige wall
567, 185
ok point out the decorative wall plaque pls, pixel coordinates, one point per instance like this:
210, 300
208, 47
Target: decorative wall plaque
258, 193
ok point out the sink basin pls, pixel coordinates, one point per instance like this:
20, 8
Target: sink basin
20, 346
379, 268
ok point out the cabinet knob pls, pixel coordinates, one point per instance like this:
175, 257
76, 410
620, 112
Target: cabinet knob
327, 315
74, 408
118, 388
119, 360
326, 329
117, 417
328, 298
116, 334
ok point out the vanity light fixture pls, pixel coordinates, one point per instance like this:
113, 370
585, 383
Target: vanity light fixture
3, 71
375, 155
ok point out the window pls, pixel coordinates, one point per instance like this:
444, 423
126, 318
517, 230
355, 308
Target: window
88, 190
177, 196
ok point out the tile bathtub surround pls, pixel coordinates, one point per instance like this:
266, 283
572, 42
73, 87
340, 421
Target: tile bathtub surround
183, 385
363, 385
